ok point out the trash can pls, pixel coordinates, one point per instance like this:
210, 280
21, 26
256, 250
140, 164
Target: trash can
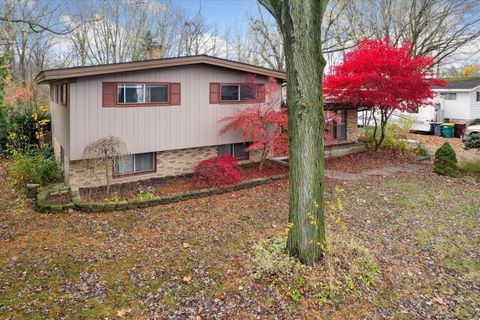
448, 129
437, 129
460, 129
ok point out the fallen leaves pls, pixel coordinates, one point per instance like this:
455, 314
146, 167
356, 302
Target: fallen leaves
187, 278
122, 313
439, 300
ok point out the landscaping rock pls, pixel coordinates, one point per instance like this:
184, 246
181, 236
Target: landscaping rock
32, 190
469, 180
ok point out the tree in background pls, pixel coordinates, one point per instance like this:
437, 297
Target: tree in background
437, 28
300, 22
262, 123
384, 78
3, 113
469, 71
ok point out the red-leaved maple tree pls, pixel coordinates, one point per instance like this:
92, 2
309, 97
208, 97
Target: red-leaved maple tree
262, 123
383, 78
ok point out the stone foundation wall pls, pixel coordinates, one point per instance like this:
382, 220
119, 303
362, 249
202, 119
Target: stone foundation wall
352, 128
91, 173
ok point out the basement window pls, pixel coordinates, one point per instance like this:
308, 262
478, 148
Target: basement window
135, 163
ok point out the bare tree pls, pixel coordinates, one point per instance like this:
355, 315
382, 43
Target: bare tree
198, 37
438, 28
267, 41
106, 151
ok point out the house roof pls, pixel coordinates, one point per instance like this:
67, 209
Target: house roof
66, 73
463, 84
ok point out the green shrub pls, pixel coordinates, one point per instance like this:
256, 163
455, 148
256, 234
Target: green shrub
34, 168
144, 195
445, 161
473, 141
475, 122
271, 258
471, 167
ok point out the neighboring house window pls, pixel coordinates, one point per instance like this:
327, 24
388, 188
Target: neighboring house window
226, 93
236, 150
135, 163
130, 94
478, 96
449, 95
142, 93
338, 130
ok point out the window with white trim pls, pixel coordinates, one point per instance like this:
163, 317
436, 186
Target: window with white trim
238, 92
478, 96
131, 93
135, 163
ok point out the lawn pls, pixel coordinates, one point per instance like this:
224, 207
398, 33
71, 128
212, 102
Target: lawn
193, 260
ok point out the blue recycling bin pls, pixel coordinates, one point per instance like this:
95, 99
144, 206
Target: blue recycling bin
437, 129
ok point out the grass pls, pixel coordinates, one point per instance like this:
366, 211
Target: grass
420, 232
471, 167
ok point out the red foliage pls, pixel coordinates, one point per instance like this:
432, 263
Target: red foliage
262, 123
217, 171
378, 74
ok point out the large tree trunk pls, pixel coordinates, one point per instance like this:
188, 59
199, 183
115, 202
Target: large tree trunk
301, 22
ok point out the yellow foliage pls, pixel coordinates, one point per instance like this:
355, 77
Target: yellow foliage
469, 71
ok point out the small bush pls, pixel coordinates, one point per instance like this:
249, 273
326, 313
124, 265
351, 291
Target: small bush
217, 171
473, 141
271, 258
475, 122
34, 168
144, 195
471, 167
445, 161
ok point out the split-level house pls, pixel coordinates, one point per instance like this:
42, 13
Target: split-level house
461, 99
166, 111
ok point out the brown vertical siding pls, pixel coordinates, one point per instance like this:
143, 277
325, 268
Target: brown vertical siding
193, 123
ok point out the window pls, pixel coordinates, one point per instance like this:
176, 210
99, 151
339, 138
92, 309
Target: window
338, 130
63, 94
237, 92
448, 95
135, 163
478, 96
236, 150
142, 93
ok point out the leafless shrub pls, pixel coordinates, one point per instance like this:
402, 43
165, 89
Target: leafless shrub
105, 151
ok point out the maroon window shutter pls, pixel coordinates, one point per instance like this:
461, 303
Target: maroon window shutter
214, 92
175, 94
260, 93
109, 94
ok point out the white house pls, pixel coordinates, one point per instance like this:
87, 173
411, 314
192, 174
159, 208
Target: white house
461, 99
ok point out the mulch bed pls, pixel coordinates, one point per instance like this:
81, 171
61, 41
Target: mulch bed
174, 185
354, 163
